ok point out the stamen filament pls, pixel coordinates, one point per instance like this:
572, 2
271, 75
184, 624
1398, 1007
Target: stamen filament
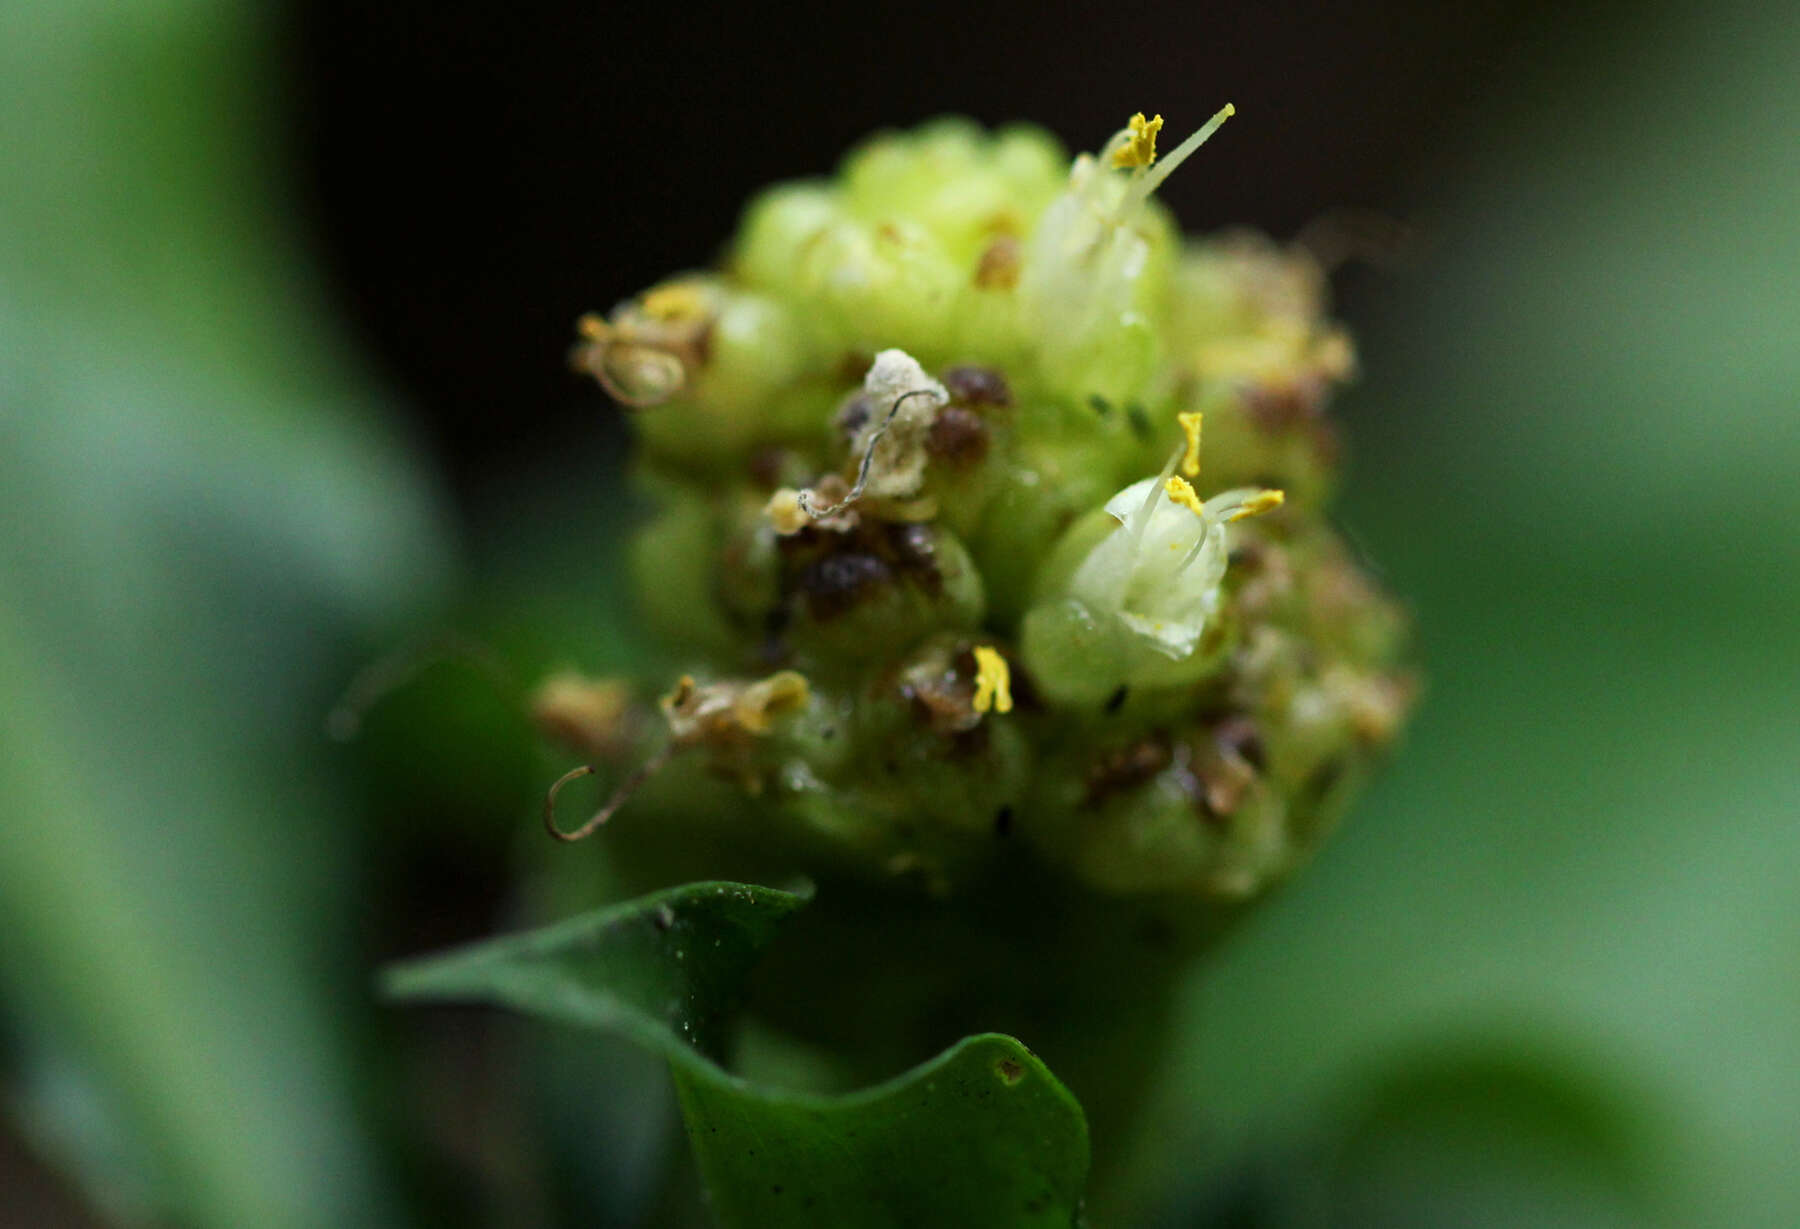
1153, 180
1141, 521
1199, 545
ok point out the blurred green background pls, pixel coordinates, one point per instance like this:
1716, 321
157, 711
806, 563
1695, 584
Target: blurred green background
270, 406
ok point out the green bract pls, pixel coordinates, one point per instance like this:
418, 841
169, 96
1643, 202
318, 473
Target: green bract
934, 428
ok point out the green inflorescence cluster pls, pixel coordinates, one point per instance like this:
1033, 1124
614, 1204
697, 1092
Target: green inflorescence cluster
991, 512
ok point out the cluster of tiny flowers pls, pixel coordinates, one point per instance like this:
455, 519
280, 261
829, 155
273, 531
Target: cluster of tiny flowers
989, 515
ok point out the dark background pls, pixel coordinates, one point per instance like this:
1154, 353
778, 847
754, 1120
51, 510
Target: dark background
476, 179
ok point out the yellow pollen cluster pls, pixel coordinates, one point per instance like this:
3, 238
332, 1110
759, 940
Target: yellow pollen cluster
1258, 503
1190, 427
1140, 148
785, 513
725, 711
675, 301
993, 680
1182, 493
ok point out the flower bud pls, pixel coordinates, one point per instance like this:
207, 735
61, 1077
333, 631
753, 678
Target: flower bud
1144, 589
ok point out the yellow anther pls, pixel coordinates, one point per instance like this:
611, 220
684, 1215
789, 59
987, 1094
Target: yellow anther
589, 712
993, 680
593, 327
1190, 427
675, 301
1182, 493
1140, 146
785, 513
1258, 503
759, 703
722, 714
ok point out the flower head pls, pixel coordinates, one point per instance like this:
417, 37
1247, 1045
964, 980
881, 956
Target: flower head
905, 458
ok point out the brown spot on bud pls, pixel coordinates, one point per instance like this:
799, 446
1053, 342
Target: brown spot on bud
837, 583
940, 705
971, 385
940, 691
1126, 767
998, 266
957, 437
854, 416
1239, 736
913, 548
835, 570
1229, 766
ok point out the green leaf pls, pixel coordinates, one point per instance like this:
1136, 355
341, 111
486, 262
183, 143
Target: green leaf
983, 1134
664, 969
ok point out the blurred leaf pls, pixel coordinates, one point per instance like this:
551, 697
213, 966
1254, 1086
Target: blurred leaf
1474, 1132
202, 510
1485, 1135
983, 1134
1574, 439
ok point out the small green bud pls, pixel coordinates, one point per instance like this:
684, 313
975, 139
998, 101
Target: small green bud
880, 586
1261, 361
778, 224
707, 356
673, 563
